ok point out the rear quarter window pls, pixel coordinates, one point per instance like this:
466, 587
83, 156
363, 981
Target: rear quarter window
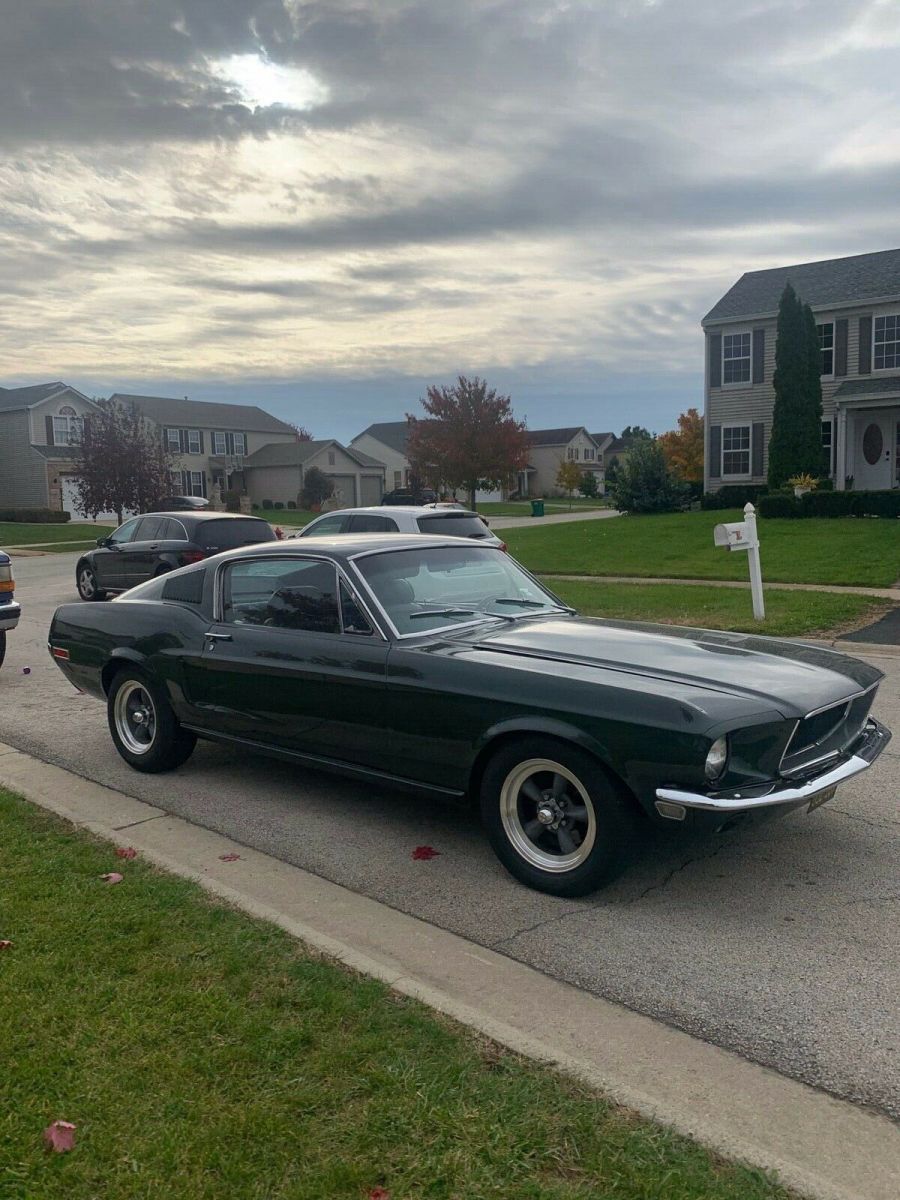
186, 588
454, 525
228, 535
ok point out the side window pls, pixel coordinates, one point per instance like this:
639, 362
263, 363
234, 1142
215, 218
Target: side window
352, 617
372, 523
292, 593
327, 526
172, 531
186, 587
125, 533
148, 529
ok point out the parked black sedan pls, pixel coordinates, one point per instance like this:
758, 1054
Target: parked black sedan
157, 543
442, 664
10, 609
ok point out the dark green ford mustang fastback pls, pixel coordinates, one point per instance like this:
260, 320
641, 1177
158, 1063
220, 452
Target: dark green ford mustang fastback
444, 665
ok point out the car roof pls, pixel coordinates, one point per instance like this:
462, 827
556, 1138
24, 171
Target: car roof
343, 546
413, 510
201, 514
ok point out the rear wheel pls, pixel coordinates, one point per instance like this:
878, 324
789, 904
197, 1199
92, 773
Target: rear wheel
86, 582
556, 819
144, 728
2, 646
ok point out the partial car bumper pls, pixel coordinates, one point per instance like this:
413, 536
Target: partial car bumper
9, 615
867, 748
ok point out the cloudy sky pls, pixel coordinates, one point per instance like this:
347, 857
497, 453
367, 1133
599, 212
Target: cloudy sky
324, 205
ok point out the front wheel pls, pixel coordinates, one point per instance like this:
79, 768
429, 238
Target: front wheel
556, 820
86, 582
2, 646
144, 728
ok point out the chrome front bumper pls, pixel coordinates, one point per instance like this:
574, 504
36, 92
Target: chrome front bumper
9, 615
873, 740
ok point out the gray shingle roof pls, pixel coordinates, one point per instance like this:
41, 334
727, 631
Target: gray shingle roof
827, 284
203, 414
553, 437
54, 452
885, 385
394, 434
600, 438
24, 397
292, 454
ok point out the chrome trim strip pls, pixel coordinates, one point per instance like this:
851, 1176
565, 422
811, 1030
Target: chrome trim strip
9, 614
781, 795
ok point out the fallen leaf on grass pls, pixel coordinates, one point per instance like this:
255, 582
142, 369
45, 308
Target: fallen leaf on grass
229, 857
379, 1193
112, 877
60, 1136
126, 852
425, 852
5, 945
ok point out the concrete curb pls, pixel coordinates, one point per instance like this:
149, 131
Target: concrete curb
824, 1147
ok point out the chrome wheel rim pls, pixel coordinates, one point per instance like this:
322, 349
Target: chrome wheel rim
86, 582
547, 815
135, 717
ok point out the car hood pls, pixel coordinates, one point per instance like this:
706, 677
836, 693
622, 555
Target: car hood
795, 677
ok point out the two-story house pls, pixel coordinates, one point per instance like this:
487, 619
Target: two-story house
40, 428
548, 448
856, 302
209, 441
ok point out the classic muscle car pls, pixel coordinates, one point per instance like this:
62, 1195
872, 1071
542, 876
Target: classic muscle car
442, 664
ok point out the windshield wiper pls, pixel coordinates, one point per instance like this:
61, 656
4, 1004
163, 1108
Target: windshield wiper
533, 604
444, 612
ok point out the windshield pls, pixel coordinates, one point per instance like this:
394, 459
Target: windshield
454, 524
437, 586
229, 533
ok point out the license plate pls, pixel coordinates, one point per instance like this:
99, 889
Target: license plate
821, 798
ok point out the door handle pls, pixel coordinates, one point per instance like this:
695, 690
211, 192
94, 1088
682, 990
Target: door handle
155, 546
219, 637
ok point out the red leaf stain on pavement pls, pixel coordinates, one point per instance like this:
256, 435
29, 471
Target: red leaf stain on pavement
425, 852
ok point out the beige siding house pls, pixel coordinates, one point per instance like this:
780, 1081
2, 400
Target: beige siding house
275, 472
548, 448
386, 441
40, 427
856, 302
210, 441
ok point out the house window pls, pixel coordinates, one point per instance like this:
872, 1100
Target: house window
193, 483
193, 441
736, 358
570, 454
735, 450
398, 479
68, 427
826, 345
827, 446
887, 342
331, 458
173, 440
220, 443
588, 454
240, 444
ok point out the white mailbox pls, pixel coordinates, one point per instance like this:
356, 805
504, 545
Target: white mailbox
742, 535
736, 536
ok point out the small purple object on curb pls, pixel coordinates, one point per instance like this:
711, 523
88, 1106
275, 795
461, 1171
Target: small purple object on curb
26, 670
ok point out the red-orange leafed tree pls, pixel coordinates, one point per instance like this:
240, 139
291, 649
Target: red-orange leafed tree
683, 447
470, 439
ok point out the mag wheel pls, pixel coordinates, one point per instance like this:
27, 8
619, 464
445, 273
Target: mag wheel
143, 725
556, 820
86, 582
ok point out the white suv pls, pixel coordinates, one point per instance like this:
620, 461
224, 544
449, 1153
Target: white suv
443, 520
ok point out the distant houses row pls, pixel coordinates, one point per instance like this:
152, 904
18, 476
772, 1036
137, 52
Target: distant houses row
221, 447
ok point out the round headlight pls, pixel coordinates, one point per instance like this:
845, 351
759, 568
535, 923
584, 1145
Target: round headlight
717, 758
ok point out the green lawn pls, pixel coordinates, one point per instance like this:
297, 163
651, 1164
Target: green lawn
23, 533
844, 550
788, 614
203, 1054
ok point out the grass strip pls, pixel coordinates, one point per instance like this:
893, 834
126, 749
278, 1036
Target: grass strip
788, 614
845, 550
202, 1054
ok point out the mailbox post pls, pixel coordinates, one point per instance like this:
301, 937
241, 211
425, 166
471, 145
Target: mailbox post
743, 535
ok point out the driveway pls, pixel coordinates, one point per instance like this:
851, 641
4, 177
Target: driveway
782, 944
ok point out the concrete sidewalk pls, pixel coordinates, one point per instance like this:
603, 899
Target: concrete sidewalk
594, 514
824, 1147
885, 593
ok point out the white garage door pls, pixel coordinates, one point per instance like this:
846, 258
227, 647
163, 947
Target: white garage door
370, 490
70, 503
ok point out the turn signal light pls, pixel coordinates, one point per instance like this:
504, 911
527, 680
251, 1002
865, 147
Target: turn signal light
59, 652
503, 546
7, 585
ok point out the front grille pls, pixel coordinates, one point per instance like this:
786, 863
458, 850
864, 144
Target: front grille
827, 733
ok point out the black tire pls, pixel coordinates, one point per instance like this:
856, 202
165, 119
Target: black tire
86, 582
593, 825
2, 646
144, 728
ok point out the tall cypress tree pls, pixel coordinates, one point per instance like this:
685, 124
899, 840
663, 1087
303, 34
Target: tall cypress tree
795, 447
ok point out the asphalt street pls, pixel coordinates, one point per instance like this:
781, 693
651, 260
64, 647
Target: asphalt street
781, 943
